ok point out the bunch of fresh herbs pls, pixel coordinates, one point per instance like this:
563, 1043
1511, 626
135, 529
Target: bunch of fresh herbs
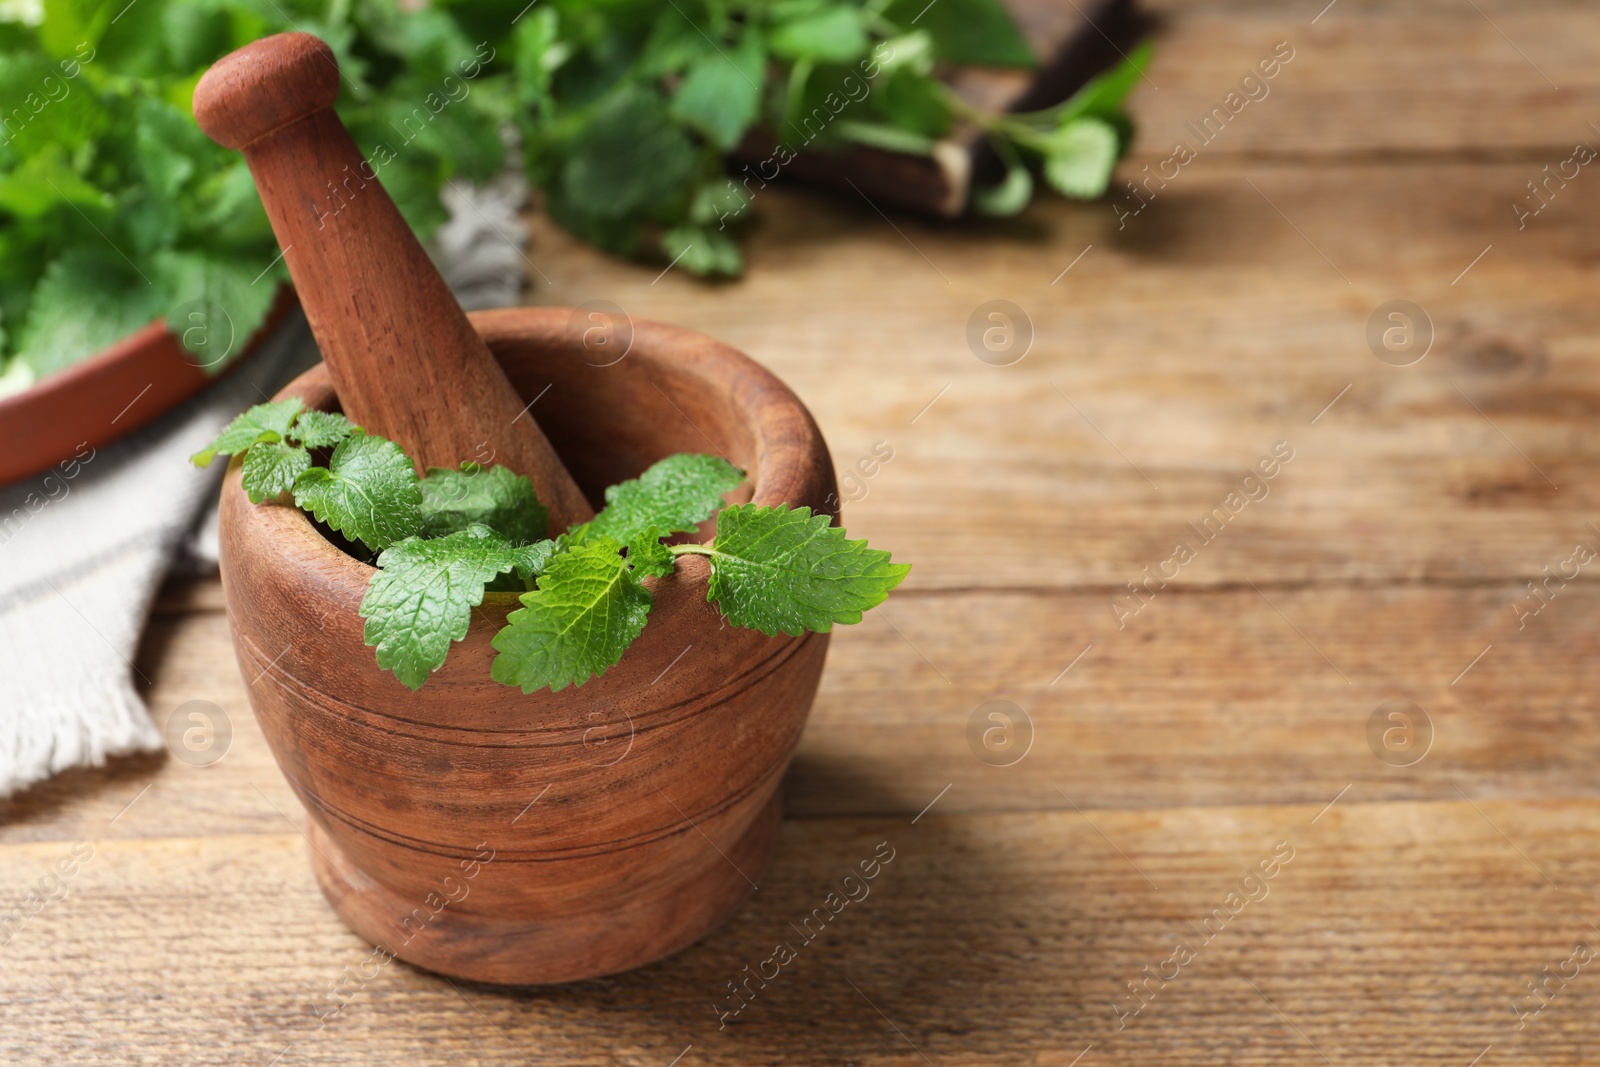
445, 539
115, 210
630, 110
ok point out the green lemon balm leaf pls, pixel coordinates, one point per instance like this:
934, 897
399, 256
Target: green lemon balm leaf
531, 560
321, 429
65, 325
648, 556
719, 202
703, 251
721, 94
629, 157
1080, 158
422, 596
676, 494
264, 422
217, 308
833, 35
1007, 198
368, 491
786, 571
494, 497
978, 32
271, 468
588, 609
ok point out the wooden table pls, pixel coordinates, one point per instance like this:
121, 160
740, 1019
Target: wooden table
1222, 728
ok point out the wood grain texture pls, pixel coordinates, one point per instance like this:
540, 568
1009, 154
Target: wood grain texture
1416, 80
406, 363
1183, 347
1397, 934
1397, 542
1227, 703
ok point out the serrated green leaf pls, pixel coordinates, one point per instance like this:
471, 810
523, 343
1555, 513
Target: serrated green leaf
64, 325
833, 35
217, 303
45, 182
703, 251
1007, 198
910, 51
539, 53
495, 497
787, 571
43, 107
648, 556
368, 492
531, 560
913, 102
321, 429
161, 135
589, 607
195, 32
68, 22
722, 91
264, 422
676, 494
270, 468
673, 44
422, 596
98, 136
978, 32
1081, 157
628, 158
718, 201
224, 205
785, 10
447, 135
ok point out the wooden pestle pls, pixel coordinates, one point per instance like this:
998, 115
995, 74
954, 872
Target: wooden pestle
404, 359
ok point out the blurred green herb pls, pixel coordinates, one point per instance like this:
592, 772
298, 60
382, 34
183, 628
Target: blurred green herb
632, 109
115, 209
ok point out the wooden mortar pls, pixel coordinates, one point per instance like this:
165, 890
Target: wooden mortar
481, 833
465, 827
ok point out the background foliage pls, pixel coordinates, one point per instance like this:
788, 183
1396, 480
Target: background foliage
116, 210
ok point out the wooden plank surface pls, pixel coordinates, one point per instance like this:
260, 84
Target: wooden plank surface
1380, 79
1175, 354
1394, 934
1172, 748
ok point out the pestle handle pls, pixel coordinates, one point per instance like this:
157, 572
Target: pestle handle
404, 359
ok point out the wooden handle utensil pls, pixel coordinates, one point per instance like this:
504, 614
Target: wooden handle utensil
404, 359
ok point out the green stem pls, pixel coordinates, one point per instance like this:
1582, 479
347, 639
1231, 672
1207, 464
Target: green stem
687, 550
1025, 128
988, 121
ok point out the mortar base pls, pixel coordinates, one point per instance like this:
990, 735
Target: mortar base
480, 948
